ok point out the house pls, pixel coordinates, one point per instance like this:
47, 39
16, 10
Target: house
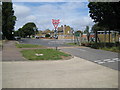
64, 30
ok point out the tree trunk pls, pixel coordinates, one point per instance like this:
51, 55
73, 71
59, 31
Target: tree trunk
96, 36
105, 38
109, 36
115, 37
88, 37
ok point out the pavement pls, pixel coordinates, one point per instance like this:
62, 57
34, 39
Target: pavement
73, 73
11, 53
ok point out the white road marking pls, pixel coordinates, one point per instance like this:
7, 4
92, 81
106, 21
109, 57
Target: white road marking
111, 61
82, 50
97, 61
101, 62
106, 59
115, 59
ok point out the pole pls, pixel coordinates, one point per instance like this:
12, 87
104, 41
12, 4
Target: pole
55, 33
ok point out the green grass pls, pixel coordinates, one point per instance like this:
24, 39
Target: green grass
48, 54
28, 46
113, 49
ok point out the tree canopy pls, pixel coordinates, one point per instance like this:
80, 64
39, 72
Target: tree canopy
27, 30
106, 14
8, 20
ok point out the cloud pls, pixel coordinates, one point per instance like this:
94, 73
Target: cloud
21, 11
74, 14
49, 0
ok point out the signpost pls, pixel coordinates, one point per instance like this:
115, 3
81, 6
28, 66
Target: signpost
78, 37
55, 24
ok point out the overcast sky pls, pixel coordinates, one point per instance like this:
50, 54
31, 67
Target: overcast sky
75, 14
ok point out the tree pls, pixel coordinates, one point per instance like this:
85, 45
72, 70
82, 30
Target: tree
29, 29
0, 21
106, 14
87, 32
96, 28
8, 20
47, 35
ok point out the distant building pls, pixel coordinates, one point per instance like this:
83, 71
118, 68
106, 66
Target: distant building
64, 30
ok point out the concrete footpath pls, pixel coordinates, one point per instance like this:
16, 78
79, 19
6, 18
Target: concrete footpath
11, 53
73, 73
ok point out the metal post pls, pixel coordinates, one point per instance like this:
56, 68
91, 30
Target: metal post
55, 23
55, 33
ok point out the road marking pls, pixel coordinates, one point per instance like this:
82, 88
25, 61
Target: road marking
116, 59
101, 62
97, 61
82, 49
111, 61
107, 60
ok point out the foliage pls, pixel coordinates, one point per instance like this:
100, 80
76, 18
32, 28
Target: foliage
0, 21
28, 46
48, 54
106, 14
113, 49
8, 20
87, 32
96, 27
47, 35
27, 30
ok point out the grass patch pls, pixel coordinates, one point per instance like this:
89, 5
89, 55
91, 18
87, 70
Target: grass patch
48, 54
113, 49
28, 46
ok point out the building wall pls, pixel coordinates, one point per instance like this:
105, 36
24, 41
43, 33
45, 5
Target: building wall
112, 39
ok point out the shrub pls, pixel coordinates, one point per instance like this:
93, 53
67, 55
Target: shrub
47, 35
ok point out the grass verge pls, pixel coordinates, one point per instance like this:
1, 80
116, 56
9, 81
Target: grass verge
113, 49
48, 54
28, 46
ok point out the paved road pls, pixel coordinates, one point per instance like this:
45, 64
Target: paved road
46, 42
105, 58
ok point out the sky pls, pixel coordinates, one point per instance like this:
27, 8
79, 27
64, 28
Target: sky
74, 14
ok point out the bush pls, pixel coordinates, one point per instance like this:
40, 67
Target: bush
47, 35
100, 45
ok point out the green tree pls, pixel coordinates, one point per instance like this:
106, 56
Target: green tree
87, 32
106, 14
47, 35
0, 21
8, 20
29, 29
96, 28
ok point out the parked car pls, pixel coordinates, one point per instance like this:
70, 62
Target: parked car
37, 37
17, 37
